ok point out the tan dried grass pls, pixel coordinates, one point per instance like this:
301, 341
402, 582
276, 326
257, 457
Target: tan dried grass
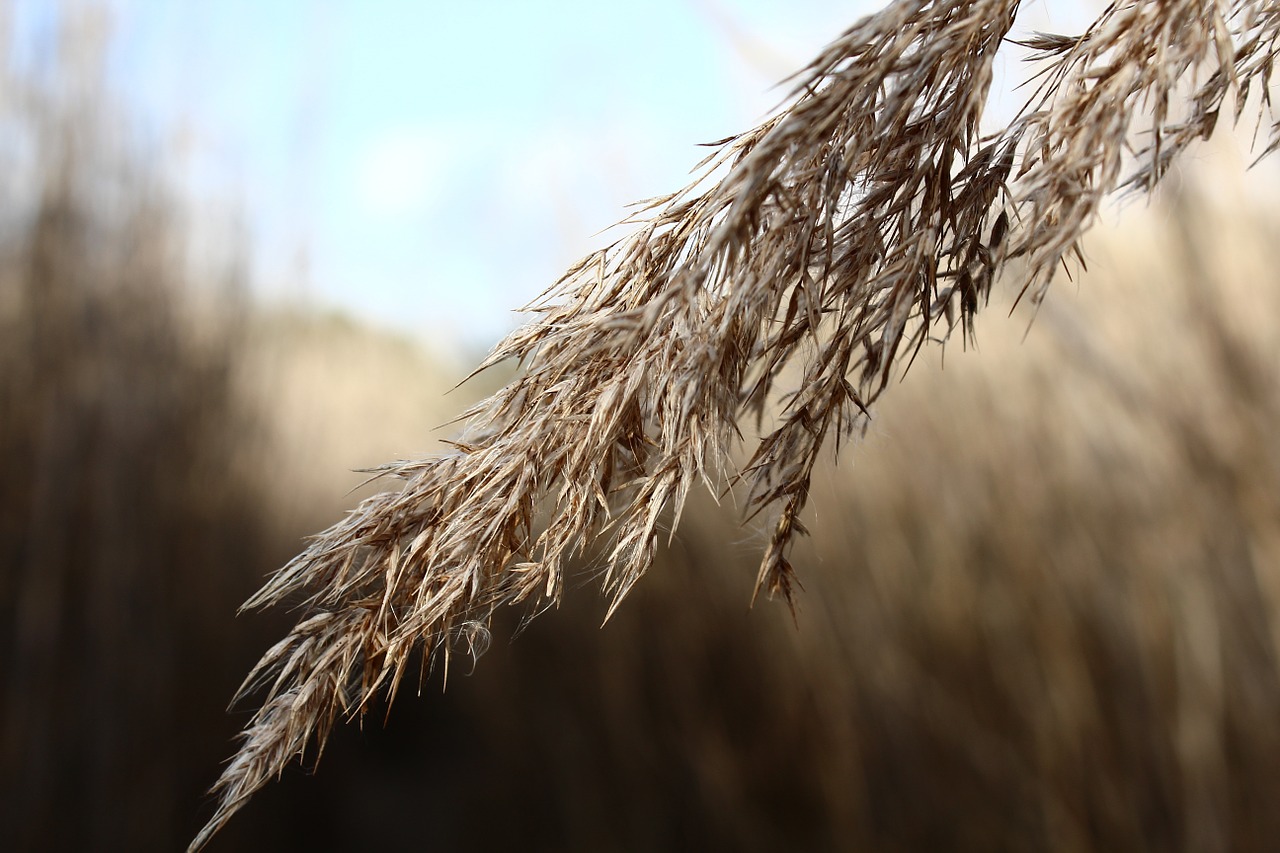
865, 218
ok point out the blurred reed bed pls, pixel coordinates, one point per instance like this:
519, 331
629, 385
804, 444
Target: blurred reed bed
335, 396
131, 524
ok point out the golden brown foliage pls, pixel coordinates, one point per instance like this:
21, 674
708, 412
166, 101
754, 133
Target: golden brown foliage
1041, 611
866, 218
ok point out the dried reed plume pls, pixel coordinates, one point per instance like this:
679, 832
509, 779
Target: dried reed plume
868, 216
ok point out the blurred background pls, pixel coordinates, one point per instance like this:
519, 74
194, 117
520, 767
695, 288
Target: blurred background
1042, 598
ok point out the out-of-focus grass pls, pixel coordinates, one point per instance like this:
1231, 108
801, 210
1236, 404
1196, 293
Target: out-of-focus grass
129, 522
337, 396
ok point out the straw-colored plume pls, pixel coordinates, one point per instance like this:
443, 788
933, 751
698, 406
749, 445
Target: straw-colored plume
866, 218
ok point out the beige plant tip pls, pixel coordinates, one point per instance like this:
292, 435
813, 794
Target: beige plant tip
865, 219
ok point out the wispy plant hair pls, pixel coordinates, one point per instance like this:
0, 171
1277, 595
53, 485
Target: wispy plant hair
814, 255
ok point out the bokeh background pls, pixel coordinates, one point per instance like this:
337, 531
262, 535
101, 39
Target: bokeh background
1042, 597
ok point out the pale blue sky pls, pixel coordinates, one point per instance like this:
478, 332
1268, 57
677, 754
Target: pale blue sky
433, 165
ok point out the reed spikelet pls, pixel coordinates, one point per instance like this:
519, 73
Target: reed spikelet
867, 217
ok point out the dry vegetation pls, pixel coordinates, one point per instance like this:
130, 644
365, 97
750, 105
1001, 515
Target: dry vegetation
1042, 612
868, 217
1042, 597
